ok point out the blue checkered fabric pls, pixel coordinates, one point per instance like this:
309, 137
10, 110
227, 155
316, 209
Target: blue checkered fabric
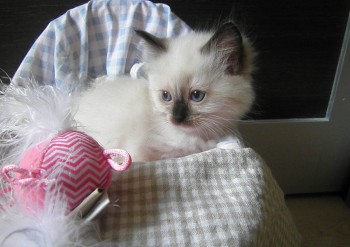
96, 39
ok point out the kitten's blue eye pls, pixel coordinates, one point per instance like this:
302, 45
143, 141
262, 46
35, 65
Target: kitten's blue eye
197, 95
166, 96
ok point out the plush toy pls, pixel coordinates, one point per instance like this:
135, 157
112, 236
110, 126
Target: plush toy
49, 168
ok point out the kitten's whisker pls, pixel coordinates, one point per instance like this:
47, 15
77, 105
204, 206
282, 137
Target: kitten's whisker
209, 129
217, 125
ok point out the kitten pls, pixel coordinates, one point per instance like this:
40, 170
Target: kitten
198, 87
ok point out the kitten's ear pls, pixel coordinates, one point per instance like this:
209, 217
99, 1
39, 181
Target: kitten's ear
227, 40
156, 45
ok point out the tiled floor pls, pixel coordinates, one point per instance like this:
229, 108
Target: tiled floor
323, 221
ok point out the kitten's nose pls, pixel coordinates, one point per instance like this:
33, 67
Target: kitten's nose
180, 111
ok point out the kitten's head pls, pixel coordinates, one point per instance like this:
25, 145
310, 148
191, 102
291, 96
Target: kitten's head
201, 81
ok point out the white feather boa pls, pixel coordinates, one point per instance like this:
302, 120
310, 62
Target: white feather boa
29, 115
48, 228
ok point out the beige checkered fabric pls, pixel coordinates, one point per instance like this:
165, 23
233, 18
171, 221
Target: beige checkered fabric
216, 198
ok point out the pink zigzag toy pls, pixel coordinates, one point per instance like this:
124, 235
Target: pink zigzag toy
72, 161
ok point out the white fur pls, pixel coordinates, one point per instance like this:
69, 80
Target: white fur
130, 114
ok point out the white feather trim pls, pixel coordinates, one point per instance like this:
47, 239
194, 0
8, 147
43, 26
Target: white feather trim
50, 227
32, 114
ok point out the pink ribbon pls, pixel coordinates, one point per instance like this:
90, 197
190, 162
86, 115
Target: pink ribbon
114, 154
26, 176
